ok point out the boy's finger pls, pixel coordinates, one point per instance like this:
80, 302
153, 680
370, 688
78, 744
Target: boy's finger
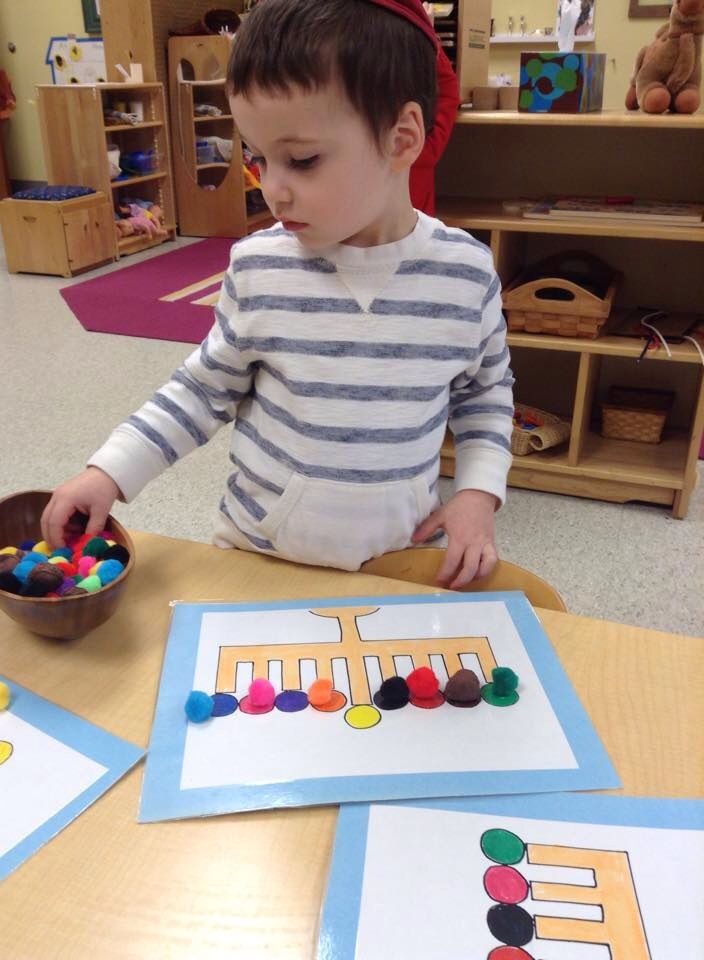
487, 561
468, 570
427, 527
453, 558
96, 521
53, 520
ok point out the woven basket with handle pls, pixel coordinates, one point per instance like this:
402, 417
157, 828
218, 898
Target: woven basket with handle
545, 430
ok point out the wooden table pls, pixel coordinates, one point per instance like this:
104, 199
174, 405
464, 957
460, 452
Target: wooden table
251, 885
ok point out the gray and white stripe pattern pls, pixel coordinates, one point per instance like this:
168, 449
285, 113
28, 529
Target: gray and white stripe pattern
319, 386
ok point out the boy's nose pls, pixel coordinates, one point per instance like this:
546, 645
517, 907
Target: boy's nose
276, 190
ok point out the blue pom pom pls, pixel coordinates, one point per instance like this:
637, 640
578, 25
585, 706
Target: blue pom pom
27, 544
109, 570
61, 552
22, 569
35, 557
199, 706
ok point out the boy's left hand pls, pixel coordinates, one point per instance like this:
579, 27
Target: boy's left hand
468, 520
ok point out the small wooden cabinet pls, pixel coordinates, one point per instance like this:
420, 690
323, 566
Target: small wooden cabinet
75, 139
505, 155
212, 197
61, 237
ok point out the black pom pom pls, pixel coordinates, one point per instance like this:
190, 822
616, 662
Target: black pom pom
118, 552
392, 694
10, 583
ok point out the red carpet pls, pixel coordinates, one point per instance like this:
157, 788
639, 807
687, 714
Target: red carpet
169, 297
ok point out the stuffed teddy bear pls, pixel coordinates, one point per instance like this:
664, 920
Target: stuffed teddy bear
668, 73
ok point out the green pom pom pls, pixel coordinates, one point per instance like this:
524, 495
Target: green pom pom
95, 547
91, 584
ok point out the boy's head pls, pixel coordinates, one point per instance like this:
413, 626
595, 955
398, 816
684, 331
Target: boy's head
380, 52
332, 97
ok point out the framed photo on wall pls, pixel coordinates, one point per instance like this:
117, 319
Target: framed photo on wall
639, 9
91, 16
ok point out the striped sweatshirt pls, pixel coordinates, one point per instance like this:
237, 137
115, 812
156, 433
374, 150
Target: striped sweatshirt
340, 370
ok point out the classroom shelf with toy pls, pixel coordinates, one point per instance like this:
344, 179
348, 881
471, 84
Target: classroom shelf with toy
515, 156
83, 157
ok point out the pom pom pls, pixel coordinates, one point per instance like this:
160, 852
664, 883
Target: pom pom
261, 693
109, 570
95, 547
64, 552
423, 683
63, 588
34, 557
93, 572
199, 706
10, 583
501, 692
117, 552
8, 562
27, 544
42, 547
320, 692
34, 588
4, 696
463, 689
91, 584
10, 550
76, 592
392, 694
22, 569
46, 574
84, 565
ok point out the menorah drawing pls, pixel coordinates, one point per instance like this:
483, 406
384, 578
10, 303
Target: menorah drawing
610, 889
354, 651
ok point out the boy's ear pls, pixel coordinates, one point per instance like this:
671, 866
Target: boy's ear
407, 136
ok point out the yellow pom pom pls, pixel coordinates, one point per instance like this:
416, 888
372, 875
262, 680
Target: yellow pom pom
42, 547
57, 560
4, 696
94, 569
110, 543
11, 550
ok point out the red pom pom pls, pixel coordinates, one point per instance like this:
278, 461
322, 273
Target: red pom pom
422, 683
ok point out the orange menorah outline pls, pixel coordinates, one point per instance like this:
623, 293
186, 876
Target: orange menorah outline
351, 647
621, 928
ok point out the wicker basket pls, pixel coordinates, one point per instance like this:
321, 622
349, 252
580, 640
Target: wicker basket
546, 430
570, 295
635, 414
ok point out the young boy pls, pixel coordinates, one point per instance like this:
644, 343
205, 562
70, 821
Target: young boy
345, 335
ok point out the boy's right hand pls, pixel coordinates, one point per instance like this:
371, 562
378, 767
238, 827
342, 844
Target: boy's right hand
91, 492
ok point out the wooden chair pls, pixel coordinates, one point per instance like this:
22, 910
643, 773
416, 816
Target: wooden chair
421, 564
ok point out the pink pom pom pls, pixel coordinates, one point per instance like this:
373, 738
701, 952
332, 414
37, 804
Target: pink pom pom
84, 565
261, 693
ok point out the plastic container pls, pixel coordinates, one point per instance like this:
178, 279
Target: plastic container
205, 151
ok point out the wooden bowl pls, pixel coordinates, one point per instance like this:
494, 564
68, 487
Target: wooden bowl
65, 618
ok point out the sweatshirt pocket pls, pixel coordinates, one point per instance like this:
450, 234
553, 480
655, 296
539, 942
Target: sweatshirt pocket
335, 524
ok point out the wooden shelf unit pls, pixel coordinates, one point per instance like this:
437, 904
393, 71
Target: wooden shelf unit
513, 156
75, 138
211, 197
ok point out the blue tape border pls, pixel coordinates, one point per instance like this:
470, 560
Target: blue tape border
163, 799
112, 752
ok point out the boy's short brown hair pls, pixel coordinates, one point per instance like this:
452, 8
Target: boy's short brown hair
380, 59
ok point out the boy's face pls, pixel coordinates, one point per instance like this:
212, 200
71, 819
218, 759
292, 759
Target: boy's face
322, 174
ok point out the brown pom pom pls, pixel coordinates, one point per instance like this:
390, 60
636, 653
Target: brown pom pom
8, 562
45, 574
463, 689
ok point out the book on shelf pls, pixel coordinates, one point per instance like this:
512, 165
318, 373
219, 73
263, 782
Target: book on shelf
605, 208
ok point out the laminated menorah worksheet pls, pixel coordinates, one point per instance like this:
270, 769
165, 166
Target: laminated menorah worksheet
296, 752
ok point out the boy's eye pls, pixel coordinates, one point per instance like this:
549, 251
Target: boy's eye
304, 163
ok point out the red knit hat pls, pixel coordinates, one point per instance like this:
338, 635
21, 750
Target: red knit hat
411, 10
